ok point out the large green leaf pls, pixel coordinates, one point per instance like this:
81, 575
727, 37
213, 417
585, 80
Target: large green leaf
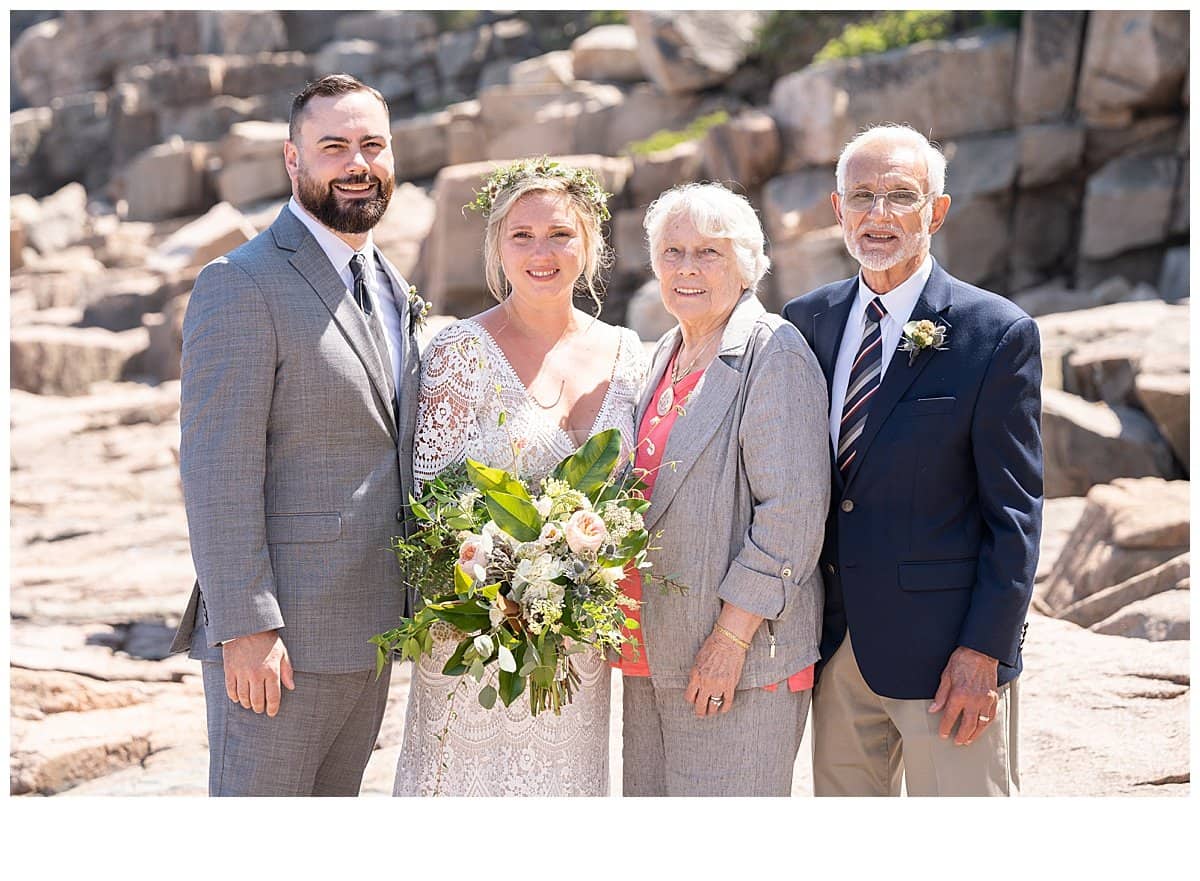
467, 617
592, 464
516, 516
511, 686
454, 664
488, 480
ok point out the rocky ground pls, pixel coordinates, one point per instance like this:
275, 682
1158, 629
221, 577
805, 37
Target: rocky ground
100, 572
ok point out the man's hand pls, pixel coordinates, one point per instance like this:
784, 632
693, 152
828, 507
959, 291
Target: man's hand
968, 687
254, 667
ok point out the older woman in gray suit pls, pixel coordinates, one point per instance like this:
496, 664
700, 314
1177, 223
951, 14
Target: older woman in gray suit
734, 448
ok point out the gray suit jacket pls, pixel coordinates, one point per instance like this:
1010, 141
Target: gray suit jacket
295, 468
742, 511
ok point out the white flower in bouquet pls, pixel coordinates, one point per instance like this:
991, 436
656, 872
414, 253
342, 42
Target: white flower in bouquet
541, 615
620, 521
495, 533
534, 574
564, 499
543, 504
552, 534
610, 575
586, 532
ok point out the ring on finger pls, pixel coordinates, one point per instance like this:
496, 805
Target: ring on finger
983, 718
716, 700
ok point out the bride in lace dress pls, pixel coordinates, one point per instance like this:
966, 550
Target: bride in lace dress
520, 387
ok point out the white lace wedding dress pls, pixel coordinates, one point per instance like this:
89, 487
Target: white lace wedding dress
452, 745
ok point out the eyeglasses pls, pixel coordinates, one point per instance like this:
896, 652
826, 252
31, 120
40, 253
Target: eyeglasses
900, 201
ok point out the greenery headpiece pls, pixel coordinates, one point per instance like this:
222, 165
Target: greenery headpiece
580, 182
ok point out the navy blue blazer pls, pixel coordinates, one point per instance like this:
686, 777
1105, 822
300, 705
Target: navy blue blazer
932, 537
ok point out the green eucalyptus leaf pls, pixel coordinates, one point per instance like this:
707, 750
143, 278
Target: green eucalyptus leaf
476, 670
487, 697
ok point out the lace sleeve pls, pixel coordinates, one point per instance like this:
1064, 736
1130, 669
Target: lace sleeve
451, 391
638, 362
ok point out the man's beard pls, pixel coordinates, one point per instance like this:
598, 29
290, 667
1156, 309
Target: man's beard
352, 217
910, 245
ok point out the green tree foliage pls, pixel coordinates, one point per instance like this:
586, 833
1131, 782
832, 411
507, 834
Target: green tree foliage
665, 139
889, 31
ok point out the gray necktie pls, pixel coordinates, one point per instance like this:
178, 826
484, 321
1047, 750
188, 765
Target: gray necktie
358, 268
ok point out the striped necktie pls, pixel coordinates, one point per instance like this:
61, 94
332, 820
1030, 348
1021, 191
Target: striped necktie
863, 383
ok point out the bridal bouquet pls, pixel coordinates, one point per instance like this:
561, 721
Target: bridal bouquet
529, 578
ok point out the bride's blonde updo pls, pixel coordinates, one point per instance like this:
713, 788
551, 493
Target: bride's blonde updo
505, 186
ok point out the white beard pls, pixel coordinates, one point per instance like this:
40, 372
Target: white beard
909, 246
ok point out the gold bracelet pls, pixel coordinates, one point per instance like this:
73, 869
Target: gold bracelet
738, 640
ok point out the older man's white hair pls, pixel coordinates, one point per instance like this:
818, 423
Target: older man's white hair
714, 211
894, 133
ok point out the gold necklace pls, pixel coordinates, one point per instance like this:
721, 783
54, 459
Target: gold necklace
666, 400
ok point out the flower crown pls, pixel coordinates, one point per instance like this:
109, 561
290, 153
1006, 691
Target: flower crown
580, 182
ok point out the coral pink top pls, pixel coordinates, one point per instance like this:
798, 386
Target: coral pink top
652, 440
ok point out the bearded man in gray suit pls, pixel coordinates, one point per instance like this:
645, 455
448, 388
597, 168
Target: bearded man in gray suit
299, 391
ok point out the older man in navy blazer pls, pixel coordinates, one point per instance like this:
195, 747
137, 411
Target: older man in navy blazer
932, 538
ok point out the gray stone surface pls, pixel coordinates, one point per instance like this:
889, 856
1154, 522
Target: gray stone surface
688, 51
655, 173
1087, 444
1128, 204
1047, 58
67, 360
1132, 60
1174, 574
744, 151
1127, 528
607, 53
798, 203
1048, 151
802, 264
166, 181
951, 88
1165, 615
1166, 397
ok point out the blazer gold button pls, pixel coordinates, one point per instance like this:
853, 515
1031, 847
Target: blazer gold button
831, 569
786, 573
399, 516
847, 506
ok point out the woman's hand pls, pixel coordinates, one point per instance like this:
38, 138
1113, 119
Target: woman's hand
718, 665
715, 675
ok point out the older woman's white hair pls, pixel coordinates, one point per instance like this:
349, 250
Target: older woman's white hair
935, 162
714, 211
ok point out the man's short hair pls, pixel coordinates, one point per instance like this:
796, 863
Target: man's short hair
326, 87
935, 160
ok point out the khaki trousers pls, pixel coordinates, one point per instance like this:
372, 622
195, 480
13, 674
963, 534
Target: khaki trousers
864, 743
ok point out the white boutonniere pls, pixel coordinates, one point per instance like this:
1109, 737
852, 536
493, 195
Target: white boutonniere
918, 336
418, 308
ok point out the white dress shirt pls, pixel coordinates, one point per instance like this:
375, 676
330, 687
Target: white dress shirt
899, 303
379, 286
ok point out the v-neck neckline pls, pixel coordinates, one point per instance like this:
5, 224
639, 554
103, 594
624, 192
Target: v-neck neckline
537, 408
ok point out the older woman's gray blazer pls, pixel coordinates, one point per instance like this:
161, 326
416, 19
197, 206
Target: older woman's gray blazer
739, 504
